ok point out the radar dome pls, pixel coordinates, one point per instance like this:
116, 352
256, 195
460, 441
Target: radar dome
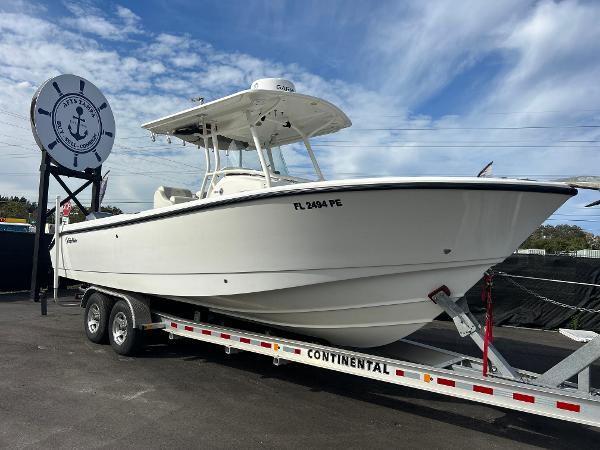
274, 84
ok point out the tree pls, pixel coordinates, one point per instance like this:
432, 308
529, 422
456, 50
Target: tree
17, 207
561, 238
21, 208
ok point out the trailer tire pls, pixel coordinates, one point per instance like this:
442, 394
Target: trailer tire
95, 320
124, 338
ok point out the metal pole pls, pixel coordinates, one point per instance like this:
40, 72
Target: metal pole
306, 140
56, 245
96, 189
311, 154
207, 156
261, 157
39, 252
215, 142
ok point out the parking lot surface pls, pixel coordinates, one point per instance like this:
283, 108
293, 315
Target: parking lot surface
58, 390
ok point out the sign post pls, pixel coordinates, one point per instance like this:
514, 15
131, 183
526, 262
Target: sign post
57, 242
74, 127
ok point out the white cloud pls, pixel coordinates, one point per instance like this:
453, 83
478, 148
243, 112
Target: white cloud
23, 6
128, 16
89, 19
414, 49
557, 64
412, 53
548, 55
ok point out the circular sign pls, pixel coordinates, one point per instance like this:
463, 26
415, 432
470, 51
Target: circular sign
73, 122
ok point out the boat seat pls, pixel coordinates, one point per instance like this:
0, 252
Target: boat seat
168, 196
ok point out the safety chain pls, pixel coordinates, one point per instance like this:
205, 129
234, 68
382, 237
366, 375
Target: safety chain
486, 296
546, 299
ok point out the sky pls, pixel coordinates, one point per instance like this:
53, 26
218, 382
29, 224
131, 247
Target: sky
432, 88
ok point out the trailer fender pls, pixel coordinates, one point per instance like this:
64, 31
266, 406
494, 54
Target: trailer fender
138, 304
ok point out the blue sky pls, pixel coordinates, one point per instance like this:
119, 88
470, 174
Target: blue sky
512, 81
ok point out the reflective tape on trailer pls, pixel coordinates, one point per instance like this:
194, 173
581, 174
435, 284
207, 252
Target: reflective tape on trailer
232, 337
519, 395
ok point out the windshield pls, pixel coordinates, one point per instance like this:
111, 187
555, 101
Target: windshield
277, 161
234, 158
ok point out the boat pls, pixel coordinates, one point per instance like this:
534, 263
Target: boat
347, 261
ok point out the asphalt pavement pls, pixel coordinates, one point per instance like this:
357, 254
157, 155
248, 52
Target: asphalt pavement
58, 390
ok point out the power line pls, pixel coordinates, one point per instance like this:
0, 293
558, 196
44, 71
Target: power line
9, 113
10, 144
156, 156
573, 220
18, 173
146, 136
29, 136
524, 127
106, 201
362, 174
576, 215
18, 156
527, 127
142, 173
491, 113
14, 125
411, 145
421, 145
478, 142
189, 172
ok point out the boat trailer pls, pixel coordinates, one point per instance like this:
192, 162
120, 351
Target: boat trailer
423, 367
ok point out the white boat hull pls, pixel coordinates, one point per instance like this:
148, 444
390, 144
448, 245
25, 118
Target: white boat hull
355, 272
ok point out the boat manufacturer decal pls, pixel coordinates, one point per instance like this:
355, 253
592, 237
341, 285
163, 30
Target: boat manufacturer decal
282, 87
348, 361
318, 204
71, 240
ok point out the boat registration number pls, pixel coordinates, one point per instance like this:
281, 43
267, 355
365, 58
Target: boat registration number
318, 204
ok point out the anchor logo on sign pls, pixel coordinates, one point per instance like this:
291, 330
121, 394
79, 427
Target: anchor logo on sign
76, 135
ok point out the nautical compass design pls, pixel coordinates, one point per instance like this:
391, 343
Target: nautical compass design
72, 120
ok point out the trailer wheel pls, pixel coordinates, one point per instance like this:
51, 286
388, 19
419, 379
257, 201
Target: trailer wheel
95, 320
124, 339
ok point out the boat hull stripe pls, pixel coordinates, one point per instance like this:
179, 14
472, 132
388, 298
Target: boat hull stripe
332, 189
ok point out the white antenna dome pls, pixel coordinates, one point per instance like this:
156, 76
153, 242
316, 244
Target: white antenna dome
274, 84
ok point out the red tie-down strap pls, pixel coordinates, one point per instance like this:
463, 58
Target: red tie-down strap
486, 296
